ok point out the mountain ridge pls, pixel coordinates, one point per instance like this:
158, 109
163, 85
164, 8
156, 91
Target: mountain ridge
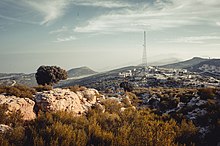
80, 71
185, 64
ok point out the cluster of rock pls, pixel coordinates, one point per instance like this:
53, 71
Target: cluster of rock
57, 99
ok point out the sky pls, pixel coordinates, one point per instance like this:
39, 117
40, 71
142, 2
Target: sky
105, 34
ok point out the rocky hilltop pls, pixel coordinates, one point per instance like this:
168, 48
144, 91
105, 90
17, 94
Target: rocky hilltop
57, 99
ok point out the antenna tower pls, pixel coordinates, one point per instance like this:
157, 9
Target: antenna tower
144, 57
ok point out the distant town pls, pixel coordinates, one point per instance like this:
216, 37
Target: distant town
152, 76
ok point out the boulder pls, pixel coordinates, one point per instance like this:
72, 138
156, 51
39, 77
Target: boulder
65, 100
90, 95
25, 105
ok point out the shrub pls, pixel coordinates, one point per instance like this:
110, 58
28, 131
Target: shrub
133, 98
126, 86
76, 88
206, 93
3, 115
187, 133
41, 88
18, 90
112, 105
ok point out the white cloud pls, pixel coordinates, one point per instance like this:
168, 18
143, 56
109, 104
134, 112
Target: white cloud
17, 20
160, 15
50, 9
70, 38
193, 39
213, 45
101, 3
218, 23
60, 30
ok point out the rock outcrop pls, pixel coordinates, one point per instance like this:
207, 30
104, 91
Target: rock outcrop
65, 100
57, 99
25, 105
4, 128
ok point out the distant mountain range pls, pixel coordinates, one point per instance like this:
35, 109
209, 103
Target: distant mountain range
82, 75
29, 79
185, 64
207, 67
162, 61
210, 62
81, 71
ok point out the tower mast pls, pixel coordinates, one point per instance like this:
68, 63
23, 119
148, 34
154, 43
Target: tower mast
144, 57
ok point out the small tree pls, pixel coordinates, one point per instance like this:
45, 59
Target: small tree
49, 75
126, 86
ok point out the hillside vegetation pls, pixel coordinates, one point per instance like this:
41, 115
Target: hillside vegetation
134, 125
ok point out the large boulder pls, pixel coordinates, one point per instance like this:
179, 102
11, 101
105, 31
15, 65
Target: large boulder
89, 95
25, 105
65, 100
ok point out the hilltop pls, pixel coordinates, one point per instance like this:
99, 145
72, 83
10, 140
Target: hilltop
199, 67
81, 71
186, 63
207, 67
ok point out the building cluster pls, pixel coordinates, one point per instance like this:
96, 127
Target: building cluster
155, 77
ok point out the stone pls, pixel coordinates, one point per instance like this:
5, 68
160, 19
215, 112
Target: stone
91, 95
65, 100
25, 105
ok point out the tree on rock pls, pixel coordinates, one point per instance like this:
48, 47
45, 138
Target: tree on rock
49, 75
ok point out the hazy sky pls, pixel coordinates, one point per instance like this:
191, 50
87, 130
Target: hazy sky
104, 34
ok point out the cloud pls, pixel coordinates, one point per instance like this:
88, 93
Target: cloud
101, 3
50, 9
133, 22
157, 15
2, 28
218, 23
60, 30
213, 45
193, 39
70, 38
17, 19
